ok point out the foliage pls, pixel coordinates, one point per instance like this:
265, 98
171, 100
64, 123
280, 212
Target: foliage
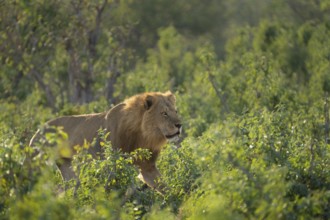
252, 84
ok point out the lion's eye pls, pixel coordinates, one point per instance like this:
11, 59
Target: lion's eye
164, 114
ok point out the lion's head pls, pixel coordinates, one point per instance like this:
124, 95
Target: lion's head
161, 118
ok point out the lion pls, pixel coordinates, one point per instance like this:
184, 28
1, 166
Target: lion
148, 120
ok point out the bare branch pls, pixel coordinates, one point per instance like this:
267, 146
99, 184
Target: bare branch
216, 88
49, 94
326, 118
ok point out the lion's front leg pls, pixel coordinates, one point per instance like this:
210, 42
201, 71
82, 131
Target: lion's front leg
67, 172
150, 175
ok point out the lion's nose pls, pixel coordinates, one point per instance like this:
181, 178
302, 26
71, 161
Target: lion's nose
178, 125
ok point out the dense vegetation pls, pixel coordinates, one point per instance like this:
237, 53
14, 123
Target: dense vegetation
252, 80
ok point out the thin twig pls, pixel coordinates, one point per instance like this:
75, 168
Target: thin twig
326, 118
222, 97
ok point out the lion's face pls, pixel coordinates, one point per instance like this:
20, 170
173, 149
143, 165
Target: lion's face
162, 116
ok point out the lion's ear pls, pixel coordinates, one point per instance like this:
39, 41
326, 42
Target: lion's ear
170, 96
148, 102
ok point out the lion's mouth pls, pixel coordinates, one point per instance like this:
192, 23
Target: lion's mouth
173, 135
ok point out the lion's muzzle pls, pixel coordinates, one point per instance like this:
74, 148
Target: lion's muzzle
175, 137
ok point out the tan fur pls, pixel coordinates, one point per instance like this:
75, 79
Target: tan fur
146, 120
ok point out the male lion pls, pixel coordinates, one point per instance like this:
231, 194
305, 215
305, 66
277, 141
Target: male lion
146, 120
